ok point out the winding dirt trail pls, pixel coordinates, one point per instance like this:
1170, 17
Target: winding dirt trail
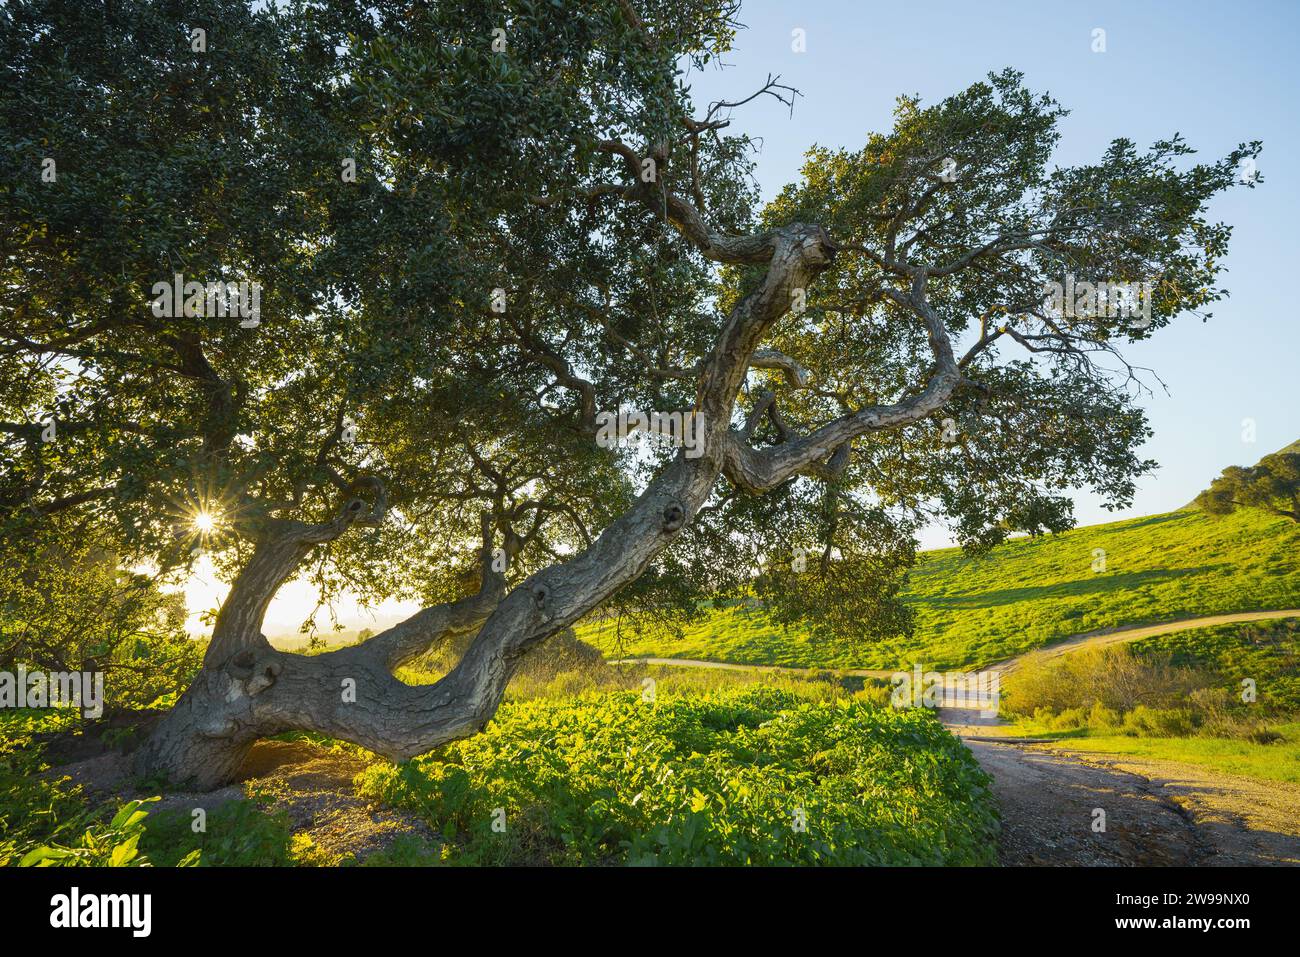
1155, 812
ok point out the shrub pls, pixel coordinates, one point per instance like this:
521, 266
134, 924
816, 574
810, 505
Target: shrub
1267, 652
1158, 722
1113, 677
1103, 717
1072, 718
875, 692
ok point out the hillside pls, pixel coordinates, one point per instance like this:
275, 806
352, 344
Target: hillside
1024, 594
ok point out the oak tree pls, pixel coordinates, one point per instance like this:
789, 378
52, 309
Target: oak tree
475, 239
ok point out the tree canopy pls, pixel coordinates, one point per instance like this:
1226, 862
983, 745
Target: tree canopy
1271, 485
473, 236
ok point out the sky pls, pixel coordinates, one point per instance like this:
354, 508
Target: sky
1220, 74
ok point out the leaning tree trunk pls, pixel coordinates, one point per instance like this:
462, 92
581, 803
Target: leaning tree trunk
248, 690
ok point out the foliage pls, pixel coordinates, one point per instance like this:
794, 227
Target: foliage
48, 821
1114, 677
375, 291
35, 811
35, 808
236, 834
114, 844
1182, 685
712, 779
1271, 485
66, 604
480, 168
406, 851
1200, 669
1267, 652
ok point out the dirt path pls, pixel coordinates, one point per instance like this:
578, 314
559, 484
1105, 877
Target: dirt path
1050, 802
1156, 812
1090, 639
1115, 636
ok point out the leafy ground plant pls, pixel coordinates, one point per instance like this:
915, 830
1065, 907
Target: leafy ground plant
115, 844
751, 776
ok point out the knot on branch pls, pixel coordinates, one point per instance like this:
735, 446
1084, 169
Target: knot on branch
818, 248
219, 726
254, 674
674, 517
541, 595
361, 512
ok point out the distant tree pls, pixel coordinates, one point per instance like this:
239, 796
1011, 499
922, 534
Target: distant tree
476, 237
1271, 485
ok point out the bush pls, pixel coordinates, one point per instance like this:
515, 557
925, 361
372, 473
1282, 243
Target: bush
1267, 652
1103, 717
755, 776
1169, 685
1158, 722
876, 692
1115, 678
1067, 720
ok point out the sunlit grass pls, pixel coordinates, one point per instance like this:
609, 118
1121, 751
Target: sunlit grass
1279, 761
1023, 595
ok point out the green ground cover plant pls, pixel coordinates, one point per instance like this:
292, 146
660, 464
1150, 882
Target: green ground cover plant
747, 776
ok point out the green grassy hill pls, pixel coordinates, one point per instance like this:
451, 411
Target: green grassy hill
1023, 595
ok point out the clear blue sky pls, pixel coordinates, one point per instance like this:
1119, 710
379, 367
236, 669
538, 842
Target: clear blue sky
1219, 73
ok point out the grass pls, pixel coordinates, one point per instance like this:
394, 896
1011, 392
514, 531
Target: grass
1279, 761
1023, 595
236, 834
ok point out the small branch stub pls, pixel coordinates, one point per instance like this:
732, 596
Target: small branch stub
674, 516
